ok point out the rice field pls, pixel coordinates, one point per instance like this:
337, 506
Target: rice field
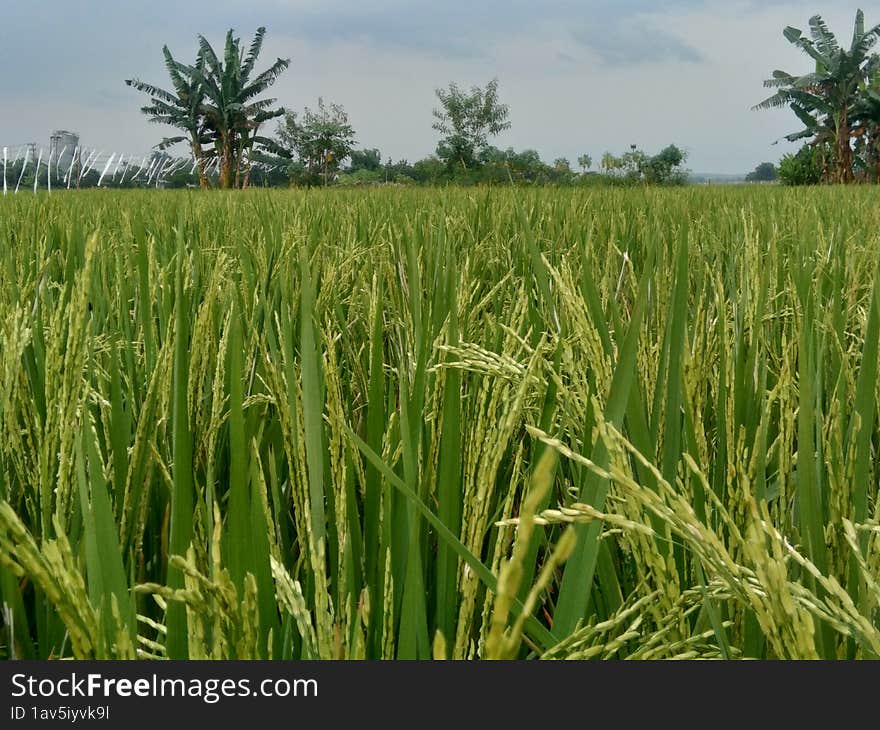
396, 424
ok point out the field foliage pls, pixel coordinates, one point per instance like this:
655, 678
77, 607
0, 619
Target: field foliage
415, 423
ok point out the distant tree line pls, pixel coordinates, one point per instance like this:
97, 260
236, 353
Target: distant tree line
218, 105
215, 103
765, 172
321, 148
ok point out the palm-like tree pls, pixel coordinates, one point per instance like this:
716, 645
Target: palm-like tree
610, 162
216, 102
866, 119
824, 100
180, 108
231, 108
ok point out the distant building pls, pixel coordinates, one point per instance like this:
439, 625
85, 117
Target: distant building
62, 145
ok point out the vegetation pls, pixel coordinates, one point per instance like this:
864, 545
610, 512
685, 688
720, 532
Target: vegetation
181, 109
764, 172
494, 166
452, 422
467, 120
320, 140
406, 423
805, 167
216, 103
661, 169
837, 102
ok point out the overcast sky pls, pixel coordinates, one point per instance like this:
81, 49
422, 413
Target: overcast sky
579, 75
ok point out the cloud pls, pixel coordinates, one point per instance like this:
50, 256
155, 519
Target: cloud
579, 75
474, 30
632, 43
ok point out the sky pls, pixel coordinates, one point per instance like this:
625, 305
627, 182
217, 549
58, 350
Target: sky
579, 76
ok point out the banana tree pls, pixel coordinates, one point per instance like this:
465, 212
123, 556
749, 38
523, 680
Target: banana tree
231, 108
866, 120
180, 108
824, 100
216, 103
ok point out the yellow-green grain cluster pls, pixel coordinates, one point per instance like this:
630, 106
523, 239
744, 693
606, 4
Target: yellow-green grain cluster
452, 424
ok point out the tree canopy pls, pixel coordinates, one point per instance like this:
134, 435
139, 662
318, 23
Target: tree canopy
467, 120
764, 172
217, 103
321, 139
832, 101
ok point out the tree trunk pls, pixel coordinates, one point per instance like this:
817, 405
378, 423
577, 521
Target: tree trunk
226, 160
247, 171
199, 155
247, 175
844, 149
876, 145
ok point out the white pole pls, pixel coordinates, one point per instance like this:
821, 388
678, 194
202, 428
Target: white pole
72, 163
27, 157
159, 171
106, 167
83, 163
49, 171
150, 170
93, 158
140, 167
37, 173
58, 163
118, 163
125, 171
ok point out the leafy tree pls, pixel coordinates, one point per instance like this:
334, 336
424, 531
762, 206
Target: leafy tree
180, 108
399, 172
360, 178
866, 113
805, 167
233, 111
611, 163
217, 102
765, 172
633, 163
636, 166
321, 139
365, 160
585, 162
562, 165
429, 170
561, 172
466, 121
665, 168
527, 166
824, 100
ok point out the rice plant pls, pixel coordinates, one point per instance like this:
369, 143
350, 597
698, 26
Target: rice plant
395, 424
